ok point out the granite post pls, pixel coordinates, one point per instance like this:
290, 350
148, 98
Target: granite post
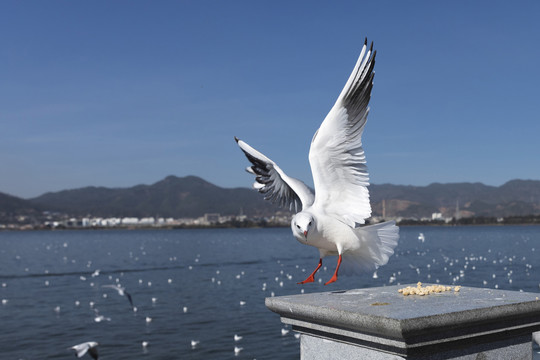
381, 323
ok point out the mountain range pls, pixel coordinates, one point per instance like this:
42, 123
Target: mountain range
514, 198
191, 196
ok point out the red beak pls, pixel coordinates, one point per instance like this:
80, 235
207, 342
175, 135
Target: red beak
305, 233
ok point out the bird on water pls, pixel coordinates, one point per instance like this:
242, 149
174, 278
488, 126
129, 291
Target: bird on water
333, 218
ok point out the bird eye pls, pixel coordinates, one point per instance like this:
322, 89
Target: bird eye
309, 223
298, 226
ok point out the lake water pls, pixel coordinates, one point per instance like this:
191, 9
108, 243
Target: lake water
208, 285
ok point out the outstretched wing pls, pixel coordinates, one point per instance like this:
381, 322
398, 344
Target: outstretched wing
336, 155
93, 353
128, 295
115, 287
81, 349
274, 183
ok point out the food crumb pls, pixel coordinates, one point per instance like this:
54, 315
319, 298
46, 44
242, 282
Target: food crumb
426, 290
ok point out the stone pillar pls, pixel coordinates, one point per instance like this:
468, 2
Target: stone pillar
381, 323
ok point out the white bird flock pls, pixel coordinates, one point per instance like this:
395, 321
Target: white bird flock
332, 218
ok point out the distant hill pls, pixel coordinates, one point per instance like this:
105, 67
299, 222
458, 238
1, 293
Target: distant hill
192, 196
175, 197
13, 205
516, 197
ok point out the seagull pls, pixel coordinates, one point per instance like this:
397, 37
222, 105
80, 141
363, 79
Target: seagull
99, 318
90, 347
331, 219
122, 292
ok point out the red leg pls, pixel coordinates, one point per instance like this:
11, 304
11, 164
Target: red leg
334, 278
311, 278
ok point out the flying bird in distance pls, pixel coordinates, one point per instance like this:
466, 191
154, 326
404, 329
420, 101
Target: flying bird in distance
122, 292
333, 218
90, 347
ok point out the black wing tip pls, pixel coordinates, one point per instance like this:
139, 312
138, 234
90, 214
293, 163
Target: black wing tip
93, 353
237, 139
370, 46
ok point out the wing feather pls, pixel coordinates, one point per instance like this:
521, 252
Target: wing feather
271, 181
93, 353
336, 156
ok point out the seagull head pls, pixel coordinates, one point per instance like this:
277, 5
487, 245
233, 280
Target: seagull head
301, 225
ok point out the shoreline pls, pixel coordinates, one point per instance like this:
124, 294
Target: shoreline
530, 221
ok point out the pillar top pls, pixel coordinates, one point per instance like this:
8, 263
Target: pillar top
412, 319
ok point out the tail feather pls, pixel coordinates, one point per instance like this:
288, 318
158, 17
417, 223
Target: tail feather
377, 243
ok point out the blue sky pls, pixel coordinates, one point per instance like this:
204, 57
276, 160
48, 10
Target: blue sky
120, 93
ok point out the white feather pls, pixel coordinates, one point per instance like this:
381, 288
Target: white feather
378, 243
336, 156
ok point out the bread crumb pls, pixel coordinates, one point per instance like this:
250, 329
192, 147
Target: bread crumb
427, 290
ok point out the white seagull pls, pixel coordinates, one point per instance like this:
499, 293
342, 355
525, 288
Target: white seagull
331, 219
99, 318
122, 292
237, 350
90, 347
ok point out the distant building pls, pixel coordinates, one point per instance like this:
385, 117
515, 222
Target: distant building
147, 221
212, 218
130, 221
